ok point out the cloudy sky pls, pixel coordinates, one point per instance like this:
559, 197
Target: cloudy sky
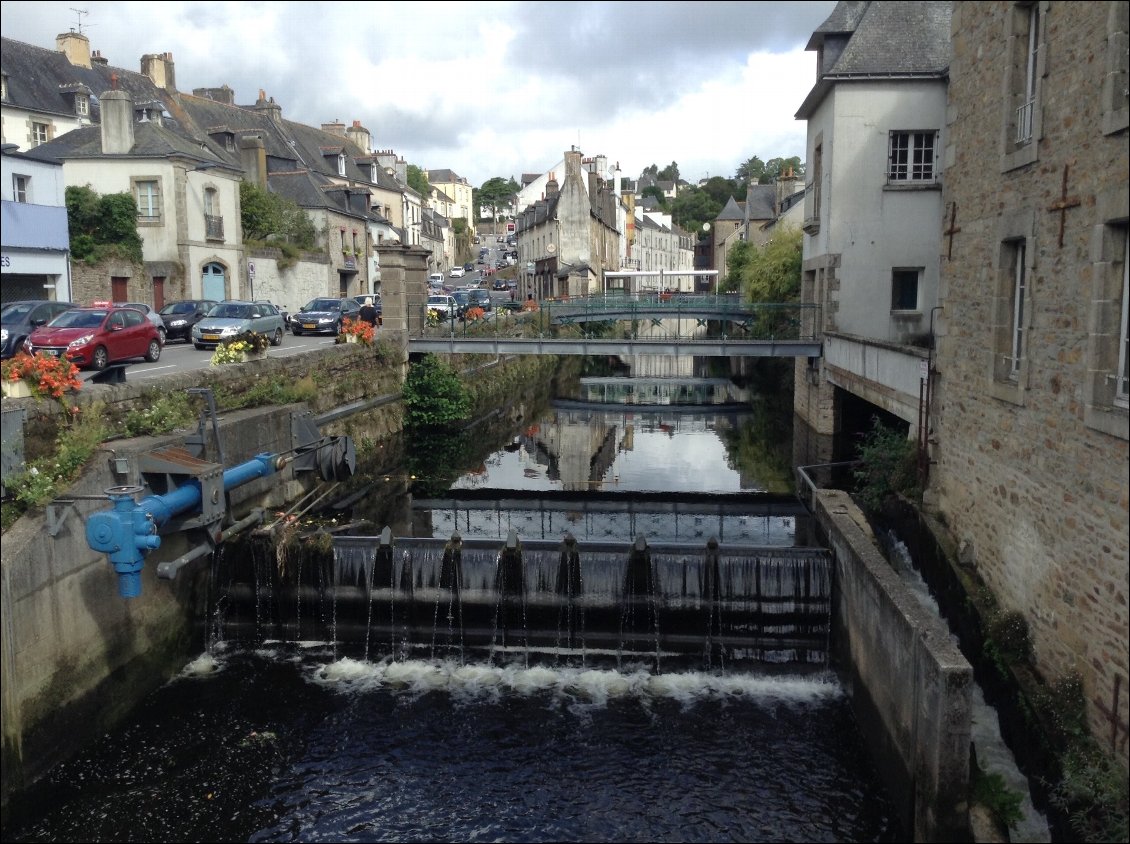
488, 89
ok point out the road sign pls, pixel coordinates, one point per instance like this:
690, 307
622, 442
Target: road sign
251, 268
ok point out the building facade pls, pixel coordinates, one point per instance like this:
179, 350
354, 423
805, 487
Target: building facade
34, 238
1030, 419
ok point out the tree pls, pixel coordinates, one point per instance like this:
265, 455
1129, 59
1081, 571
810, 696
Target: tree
496, 194
692, 207
776, 167
772, 273
670, 173
418, 181
434, 397
660, 197
750, 172
102, 226
271, 218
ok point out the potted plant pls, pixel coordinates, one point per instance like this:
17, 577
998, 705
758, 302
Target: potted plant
356, 331
250, 345
40, 375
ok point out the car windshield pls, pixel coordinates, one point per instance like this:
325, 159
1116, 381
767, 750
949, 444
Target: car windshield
461, 296
78, 319
179, 308
16, 313
323, 305
437, 300
230, 311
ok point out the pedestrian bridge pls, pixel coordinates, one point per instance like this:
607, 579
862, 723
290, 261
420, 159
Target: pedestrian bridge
677, 325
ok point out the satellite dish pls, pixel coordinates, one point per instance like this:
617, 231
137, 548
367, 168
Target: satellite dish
551, 248
706, 227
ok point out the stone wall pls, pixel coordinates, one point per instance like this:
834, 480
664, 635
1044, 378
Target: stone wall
1030, 472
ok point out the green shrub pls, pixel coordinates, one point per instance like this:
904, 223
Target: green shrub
888, 467
74, 445
1092, 792
162, 415
1002, 802
434, 395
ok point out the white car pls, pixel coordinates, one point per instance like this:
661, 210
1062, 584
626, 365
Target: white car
435, 280
150, 314
458, 272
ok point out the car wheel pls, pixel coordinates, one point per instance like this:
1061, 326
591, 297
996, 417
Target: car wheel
164, 335
100, 359
199, 346
297, 332
154, 353
276, 340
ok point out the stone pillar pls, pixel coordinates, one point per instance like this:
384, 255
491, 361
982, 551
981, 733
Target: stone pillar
404, 292
814, 399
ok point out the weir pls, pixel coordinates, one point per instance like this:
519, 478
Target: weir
694, 606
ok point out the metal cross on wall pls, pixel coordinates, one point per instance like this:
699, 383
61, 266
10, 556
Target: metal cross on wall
1062, 204
952, 230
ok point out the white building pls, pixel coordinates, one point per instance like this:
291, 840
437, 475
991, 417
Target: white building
34, 235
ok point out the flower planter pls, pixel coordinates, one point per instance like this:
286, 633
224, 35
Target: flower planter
16, 389
350, 338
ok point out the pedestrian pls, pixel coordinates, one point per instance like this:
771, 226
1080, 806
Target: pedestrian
368, 312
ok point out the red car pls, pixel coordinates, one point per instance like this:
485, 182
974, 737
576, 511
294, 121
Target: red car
96, 337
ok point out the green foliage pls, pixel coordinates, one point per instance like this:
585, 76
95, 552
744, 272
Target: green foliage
418, 181
74, 445
694, 206
274, 390
770, 273
495, 195
888, 466
1093, 793
102, 226
657, 194
1007, 641
433, 395
736, 260
1002, 802
162, 414
269, 218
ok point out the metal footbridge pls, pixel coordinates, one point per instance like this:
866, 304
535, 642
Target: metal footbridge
678, 324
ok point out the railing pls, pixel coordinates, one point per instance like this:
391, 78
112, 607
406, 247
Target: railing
680, 317
1024, 122
213, 227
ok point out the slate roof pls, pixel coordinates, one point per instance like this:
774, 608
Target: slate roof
881, 38
38, 79
762, 201
151, 140
731, 211
444, 176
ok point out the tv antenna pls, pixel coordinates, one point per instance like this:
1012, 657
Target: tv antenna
80, 13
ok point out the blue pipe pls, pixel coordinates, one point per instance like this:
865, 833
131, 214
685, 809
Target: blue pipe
128, 530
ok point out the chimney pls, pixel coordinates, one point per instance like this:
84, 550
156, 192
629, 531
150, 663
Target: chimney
272, 109
618, 181
97, 59
253, 158
551, 186
402, 171
160, 70
117, 121
75, 46
786, 187
572, 165
360, 136
335, 128
224, 94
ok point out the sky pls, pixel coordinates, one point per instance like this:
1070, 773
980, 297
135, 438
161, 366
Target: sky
485, 88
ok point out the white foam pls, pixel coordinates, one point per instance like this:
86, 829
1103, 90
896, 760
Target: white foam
584, 685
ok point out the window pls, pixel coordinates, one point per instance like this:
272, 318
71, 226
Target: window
1016, 252
910, 157
40, 133
20, 185
341, 165
1023, 117
1122, 375
148, 196
904, 289
82, 104
1116, 87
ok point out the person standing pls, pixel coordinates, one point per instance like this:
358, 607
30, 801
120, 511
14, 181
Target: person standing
368, 312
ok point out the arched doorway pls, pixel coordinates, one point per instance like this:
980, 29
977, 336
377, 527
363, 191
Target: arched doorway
213, 282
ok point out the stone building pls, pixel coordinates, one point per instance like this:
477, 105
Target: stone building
1029, 423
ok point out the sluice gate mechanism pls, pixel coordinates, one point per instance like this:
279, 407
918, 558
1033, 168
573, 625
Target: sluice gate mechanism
190, 494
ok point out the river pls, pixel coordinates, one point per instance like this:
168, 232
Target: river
301, 740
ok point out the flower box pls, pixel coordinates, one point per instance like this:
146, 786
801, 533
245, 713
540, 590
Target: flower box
16, 389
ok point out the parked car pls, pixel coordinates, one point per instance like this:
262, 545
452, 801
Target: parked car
150, 314
19, 319
235, 316
180, 316
324, 316
457, 272
280, 308
435, 280
445, 306
480, 299
97, 337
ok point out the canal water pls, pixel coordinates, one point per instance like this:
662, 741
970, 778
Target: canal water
284, 740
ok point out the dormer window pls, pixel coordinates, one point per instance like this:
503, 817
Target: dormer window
341, 164
373, 173
82, 105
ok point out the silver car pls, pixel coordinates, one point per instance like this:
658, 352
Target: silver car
232, 317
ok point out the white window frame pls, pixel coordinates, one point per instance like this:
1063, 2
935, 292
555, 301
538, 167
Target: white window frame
82, 105
341, 164
912, 157
1121, 375
21, 187
1019, 300
40, 133
147, 192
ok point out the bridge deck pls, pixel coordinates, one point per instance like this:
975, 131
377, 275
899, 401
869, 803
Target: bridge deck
710, 347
